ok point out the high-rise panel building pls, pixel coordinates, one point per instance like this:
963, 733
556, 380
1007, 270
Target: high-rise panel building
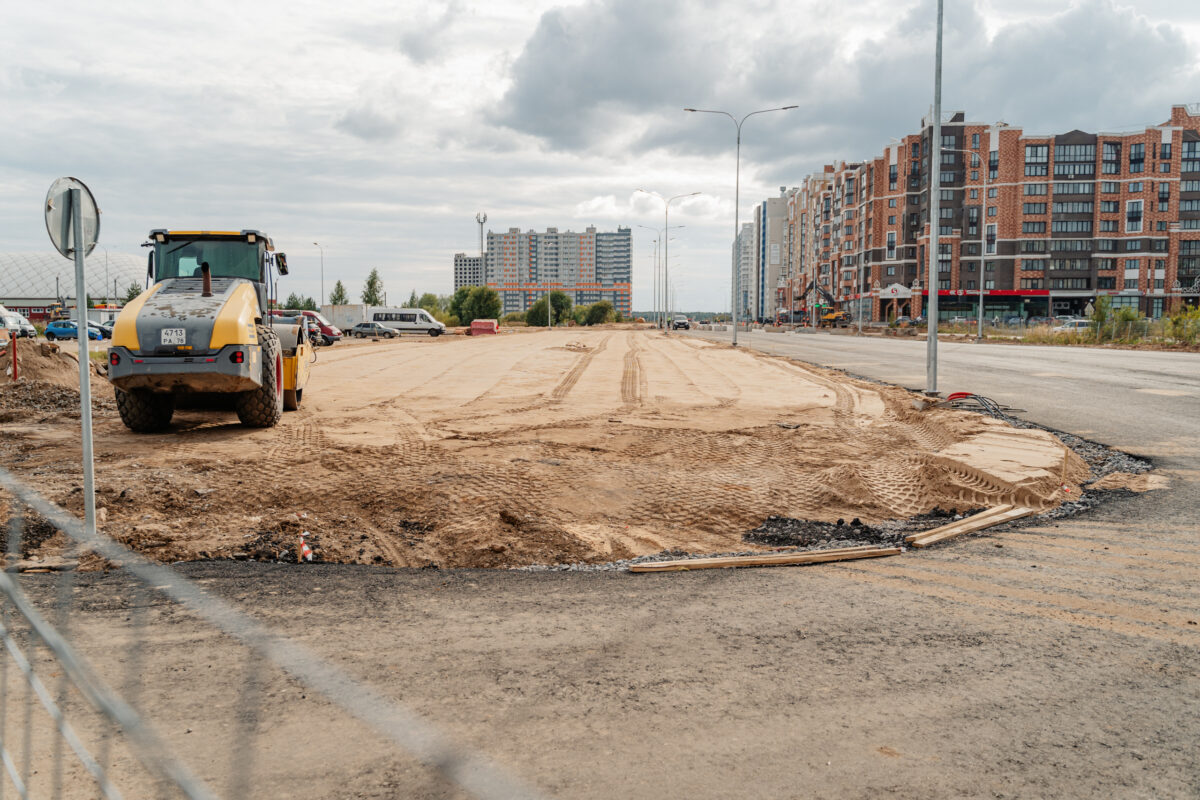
468, 270
770, 223
743, 262
588, 266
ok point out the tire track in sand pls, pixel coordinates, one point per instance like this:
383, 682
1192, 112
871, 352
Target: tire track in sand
568, 382
633, 378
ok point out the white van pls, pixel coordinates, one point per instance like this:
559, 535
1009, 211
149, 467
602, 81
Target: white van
407, 320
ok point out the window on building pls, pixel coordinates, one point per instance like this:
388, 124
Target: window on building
1135, 187
891, 270
1110, 206
993, 192
1029, 227
1106, 283
1075, 187
1112, 158
948, 177
972, 249
1104, 263
1033, 264
1033, 246
1031, 283
1159, 283
1069, 245
945, 230
994, 164
1111, 187
1072, 226
946, 212
944, 284
974, 174
1137, 158
1131, 283
1132, 264
990, 233
1034, 208
1076, 264
974, 140
892, 220
1077, 207
1189, 186
1037, 159
1106, 245
891, 202
1133, 216
989, 284
1109, 225
1072, 169
1032, 189
1161, 225
974, 193
891, 245
1158, 245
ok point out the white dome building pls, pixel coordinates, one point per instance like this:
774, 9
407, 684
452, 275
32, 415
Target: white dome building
30, 282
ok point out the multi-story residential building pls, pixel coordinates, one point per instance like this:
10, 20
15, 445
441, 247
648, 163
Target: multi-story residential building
468, 270
1042, 224
770, 223
588, 267
743, 261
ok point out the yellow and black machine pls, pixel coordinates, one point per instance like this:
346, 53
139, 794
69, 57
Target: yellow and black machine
834, 319
202, 329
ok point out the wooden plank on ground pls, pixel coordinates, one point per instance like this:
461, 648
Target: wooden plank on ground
809, 557
1008, 516
974, 522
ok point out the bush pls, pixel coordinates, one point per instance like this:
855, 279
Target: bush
536, 314
513, 317
599, 313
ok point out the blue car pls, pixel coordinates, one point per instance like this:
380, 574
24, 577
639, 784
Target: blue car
63, 329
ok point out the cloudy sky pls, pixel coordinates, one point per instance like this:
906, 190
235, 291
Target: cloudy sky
381, 129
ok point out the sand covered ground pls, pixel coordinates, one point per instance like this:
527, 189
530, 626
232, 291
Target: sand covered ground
532, 447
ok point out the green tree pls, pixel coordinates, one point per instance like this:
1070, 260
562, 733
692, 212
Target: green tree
338, 296
309, 304
372, 293
293, 301
599, 313
429, 302
131, 294
90, 302
412, 300
481, 303
536, 314
455, 306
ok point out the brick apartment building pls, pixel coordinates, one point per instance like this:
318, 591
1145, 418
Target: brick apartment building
1045, 224
588, 267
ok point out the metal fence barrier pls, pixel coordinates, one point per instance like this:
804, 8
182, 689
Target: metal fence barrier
68, 681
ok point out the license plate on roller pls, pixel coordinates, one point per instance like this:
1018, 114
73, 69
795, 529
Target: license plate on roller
173, 336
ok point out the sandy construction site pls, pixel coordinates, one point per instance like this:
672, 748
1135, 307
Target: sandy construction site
526, 448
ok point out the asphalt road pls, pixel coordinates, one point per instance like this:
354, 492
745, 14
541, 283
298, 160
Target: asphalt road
1140, 401
1060, 659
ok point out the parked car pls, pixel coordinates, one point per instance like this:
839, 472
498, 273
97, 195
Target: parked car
363, 329
329, 332
12, 321
65, 329
1073, 325
105, 330
680, 322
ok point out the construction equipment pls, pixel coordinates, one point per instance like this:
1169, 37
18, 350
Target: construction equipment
202, 329
834, 319
57, 311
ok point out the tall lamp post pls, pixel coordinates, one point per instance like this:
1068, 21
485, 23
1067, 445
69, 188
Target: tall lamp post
666, 240
737, 186
935, 216
322, 249
654, 281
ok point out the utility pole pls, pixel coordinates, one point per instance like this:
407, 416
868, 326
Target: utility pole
481, 218
935, 215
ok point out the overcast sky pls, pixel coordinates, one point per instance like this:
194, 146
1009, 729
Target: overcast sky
381, 129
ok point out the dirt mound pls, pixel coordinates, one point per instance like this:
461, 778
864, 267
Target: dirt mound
43, 361
554, 447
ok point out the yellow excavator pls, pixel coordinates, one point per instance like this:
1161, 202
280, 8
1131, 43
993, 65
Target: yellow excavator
201, 329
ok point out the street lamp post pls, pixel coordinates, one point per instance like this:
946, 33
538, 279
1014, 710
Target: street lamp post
654, 280
737, 187
666, 242
322, 249
935, 217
